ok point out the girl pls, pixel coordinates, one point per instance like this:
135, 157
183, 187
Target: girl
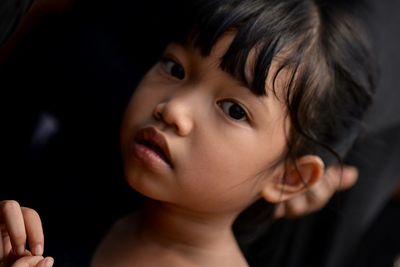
248, 103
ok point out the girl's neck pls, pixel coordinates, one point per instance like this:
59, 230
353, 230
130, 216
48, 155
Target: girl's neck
203, 238
163, 222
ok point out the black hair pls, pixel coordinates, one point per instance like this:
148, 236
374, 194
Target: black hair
325, 50
327, 55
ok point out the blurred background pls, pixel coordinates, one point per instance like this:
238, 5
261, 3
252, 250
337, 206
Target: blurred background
66, 74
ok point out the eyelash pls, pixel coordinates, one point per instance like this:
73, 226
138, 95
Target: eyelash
230, 115
181, 75
169, 69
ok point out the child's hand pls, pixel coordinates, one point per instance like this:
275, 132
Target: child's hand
18, 225
319, 194
33, 261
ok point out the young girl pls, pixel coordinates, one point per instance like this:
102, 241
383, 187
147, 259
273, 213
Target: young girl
249, 102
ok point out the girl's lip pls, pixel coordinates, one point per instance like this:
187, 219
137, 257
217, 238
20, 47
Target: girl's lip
150, 139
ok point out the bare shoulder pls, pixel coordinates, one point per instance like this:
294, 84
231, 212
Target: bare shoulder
116, 242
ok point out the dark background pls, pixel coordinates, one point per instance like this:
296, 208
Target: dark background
65, 77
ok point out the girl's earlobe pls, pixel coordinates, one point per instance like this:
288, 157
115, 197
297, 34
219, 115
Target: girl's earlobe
300, 175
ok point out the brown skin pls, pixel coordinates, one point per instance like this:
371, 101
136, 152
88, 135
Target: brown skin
124, 231
188, 217
134, 240
335, 179
183, 226
17, 226
192, 205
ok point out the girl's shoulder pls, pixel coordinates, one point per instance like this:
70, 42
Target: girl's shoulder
117, 242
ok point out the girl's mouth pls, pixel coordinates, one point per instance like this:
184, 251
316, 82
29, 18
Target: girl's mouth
156, 149
151, 140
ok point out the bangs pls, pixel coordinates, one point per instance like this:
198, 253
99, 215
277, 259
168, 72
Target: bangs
265, 27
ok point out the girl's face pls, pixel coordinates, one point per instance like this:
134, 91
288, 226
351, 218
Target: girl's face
220, 137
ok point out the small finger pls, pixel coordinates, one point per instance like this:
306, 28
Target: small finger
349, 177
342, 178
5, 245
15, 226
279, 211
34, 231
324, 191
333, 178
297, 207
46, 262
318, 199
28, 261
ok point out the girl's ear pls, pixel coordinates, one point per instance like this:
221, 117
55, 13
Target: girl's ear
298, 176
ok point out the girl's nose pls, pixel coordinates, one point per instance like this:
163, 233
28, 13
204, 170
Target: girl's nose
175, 114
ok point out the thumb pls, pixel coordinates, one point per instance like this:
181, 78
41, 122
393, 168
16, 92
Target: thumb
349, 177
28, 261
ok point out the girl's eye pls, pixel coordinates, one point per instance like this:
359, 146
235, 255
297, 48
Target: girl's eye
233, 110
173, 68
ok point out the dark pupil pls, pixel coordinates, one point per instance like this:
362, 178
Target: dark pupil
178, 72
236, 112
